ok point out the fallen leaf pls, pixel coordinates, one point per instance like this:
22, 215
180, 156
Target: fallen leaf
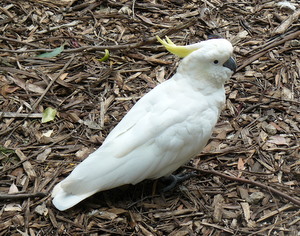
6, 89
13, 189
47, 134
43, 156
48, 114
13, 207
26, 85
91, 124
105, 57
83, 153
103, 214
160, 74
117, 211
63, 76
145, 19
54, 53
241, 164
4, 150
279, 140
41, 209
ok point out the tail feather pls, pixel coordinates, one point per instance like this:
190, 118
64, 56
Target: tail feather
63, 200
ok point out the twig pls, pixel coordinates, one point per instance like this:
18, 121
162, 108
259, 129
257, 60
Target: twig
21, 196
20, 115
265, 49
14, 166
278, 223
142, 6
275, 212
217, 227
73, 23
18, 41
18, 71
246, 181
83, 6
115, 47
133, 6
287, 22
11, 130
51, 83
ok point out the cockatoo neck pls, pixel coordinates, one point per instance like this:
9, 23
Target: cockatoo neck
200, 77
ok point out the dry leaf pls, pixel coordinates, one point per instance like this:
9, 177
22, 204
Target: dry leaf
241, 164
103, 214
63, 76
12, 207
26, 164
145, 19
279, 140
160, 74
13, 189
43, 156
41, 209
83, 153
47, 133
91, 124
6, 89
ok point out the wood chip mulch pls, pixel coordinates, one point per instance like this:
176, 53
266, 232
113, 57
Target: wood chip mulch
248, 176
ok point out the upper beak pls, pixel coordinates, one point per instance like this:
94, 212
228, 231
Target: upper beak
230, 64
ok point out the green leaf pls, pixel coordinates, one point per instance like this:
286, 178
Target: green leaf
4, 150
106, 56
48, 114
54, 53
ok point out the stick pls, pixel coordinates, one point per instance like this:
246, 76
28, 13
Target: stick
246, 181
115, 47
20, 115
266, 48
21, 195
52, 82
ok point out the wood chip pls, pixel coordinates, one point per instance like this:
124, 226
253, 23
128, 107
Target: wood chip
26, 164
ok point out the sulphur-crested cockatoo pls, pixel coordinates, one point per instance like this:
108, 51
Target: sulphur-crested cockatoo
163, 130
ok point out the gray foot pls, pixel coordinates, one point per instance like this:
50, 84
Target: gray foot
173, 180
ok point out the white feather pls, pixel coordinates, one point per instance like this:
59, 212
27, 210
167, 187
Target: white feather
162, 131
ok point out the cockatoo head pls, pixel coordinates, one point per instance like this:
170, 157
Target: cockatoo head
209, 60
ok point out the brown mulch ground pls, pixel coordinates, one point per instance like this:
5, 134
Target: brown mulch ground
249, 173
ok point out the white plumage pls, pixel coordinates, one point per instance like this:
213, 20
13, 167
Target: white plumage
163, 130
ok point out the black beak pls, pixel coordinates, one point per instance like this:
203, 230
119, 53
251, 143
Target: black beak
230, 64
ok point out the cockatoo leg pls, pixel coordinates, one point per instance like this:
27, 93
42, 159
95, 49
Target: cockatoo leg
173, 180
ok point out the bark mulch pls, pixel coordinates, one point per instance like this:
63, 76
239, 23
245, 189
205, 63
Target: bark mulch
248, 175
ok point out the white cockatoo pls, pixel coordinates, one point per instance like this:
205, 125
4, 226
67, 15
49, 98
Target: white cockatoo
163, 130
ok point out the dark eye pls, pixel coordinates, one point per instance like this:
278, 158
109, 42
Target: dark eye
216, 61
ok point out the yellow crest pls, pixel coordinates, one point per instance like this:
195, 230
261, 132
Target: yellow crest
181, 51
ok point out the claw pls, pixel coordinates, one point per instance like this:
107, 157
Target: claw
176, 179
